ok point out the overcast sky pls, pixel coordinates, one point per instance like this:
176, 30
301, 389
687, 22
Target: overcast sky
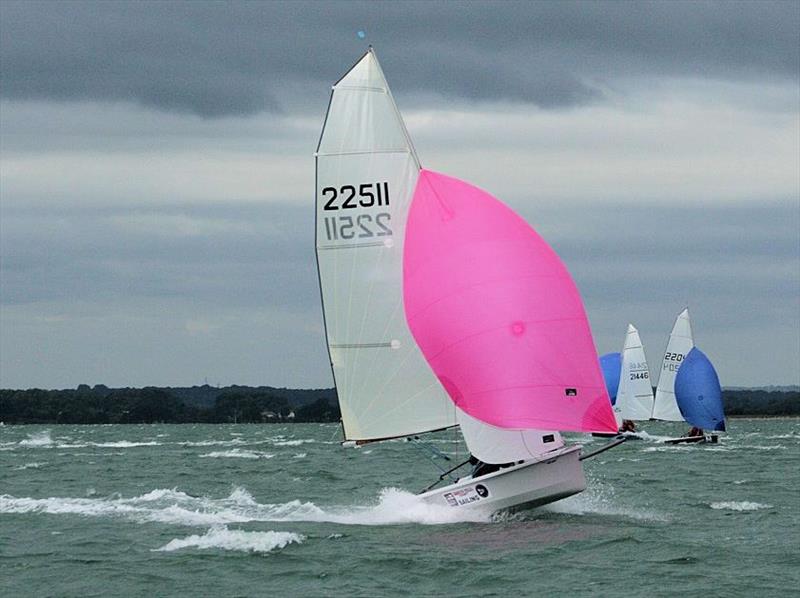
156, 183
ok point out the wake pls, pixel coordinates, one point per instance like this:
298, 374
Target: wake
393, 507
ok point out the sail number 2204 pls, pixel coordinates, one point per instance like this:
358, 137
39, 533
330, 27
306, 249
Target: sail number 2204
357, 226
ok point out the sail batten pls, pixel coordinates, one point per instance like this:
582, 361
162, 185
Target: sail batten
358, 152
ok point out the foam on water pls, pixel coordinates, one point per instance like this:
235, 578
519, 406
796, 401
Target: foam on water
238, 454
599, 500
124, 444
232, 442
34, 465
238, 540
43, 439
38, 439
175, 507
292, 442
651, 437
739, 506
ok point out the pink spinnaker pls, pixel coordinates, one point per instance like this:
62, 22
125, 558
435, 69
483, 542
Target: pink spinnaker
497, 315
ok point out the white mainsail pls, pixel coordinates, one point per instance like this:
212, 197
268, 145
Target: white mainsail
367, 170
680, 343
635, 392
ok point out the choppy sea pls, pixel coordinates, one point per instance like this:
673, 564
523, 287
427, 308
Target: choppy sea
284, 510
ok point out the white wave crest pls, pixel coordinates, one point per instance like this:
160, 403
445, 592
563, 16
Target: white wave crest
175, 507
739, 506
238, 453
231, 442
34, 465
124, 444
38, 439
43, 439
293, 442
225, 539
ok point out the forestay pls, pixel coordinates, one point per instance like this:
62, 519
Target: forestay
680, 343
366, 174
635, 392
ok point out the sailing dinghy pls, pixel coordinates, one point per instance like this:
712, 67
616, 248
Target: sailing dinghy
668, 405
442, 308
699, 396
665, 406
635, 394
628, 375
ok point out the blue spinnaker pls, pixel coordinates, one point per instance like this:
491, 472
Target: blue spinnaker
698, 392
611, 364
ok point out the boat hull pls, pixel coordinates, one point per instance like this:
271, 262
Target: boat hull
530, 484
704, 439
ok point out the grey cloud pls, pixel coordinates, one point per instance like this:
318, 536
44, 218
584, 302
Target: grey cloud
215, 59
234, 255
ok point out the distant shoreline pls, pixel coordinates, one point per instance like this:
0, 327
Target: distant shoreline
100, 404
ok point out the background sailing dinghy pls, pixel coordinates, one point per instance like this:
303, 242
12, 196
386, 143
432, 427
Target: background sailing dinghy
699, 396
628, 375
443, 308
666, 405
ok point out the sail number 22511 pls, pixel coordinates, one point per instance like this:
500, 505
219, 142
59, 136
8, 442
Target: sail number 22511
357, 226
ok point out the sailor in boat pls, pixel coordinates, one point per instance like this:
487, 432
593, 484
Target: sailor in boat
695, 431
628, 425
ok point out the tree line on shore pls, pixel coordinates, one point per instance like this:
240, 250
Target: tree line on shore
241, 404
102, 405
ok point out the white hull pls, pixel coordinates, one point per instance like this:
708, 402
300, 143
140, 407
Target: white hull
533, 483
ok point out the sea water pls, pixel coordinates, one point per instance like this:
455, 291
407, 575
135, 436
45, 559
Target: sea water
253, 510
